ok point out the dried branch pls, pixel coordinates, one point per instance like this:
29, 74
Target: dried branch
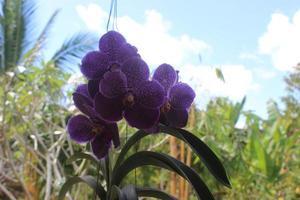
7, 192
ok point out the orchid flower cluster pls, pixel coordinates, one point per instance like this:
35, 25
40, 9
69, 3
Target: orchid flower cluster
119, 86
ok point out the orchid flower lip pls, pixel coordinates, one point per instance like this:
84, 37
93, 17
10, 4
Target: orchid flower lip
97, 129
166, 107
114, 66
128, 99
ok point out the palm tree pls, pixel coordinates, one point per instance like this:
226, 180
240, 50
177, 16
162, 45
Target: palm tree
20, 45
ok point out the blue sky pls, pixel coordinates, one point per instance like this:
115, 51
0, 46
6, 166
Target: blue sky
256, 43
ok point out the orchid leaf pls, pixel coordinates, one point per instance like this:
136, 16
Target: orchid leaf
144, 158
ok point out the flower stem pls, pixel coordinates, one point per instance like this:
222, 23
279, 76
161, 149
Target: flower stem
107, 170
97, 183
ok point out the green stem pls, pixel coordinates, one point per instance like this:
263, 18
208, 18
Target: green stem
107, 171
97, 184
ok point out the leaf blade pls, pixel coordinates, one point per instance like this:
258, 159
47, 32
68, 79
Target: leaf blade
154, 193
164, 161
199, 147
89, 180
82, 155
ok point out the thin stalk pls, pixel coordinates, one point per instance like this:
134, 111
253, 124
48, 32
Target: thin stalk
97, 184
107, 171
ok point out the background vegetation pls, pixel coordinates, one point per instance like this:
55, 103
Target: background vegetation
262, 157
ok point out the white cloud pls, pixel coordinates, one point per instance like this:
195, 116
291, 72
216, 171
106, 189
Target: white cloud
93, 16
238, 80
264, 73
282, 41
251, 56
157, 45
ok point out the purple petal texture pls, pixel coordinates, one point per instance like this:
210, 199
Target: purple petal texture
150, 94
125, 52
81, 102
153, 129
113, 129
140, 117
93, 87
80, 129
82, 89
113, 84
110, 109
94, 64
166, 76
177, 118
136, 71
100, 146
181, 96
111, 41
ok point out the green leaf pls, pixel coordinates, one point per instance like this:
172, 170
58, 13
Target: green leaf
154, 193
89, 180
264, 162
129, 192
164, 161
238, 110
219, 74
116, 193
126, 193
82, 155
207, 156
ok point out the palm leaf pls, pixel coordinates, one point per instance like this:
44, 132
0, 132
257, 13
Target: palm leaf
16, 19
73, 49
32, 54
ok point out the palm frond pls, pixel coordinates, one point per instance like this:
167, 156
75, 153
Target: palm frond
73, 49
32, 54
16, 20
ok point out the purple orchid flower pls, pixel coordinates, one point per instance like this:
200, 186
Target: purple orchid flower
84, 102
178, 97
114, 51
128, 93
91, 128
99, 133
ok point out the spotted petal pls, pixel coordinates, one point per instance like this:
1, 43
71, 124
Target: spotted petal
140, 117
136, 71
81, 102
125, 52
80, 129
166, 76
82, 89
181, 96
111, 41
100, 146
93, 87
177, 118
94, 64
110, 109
150, 94
114, 131
113, 84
